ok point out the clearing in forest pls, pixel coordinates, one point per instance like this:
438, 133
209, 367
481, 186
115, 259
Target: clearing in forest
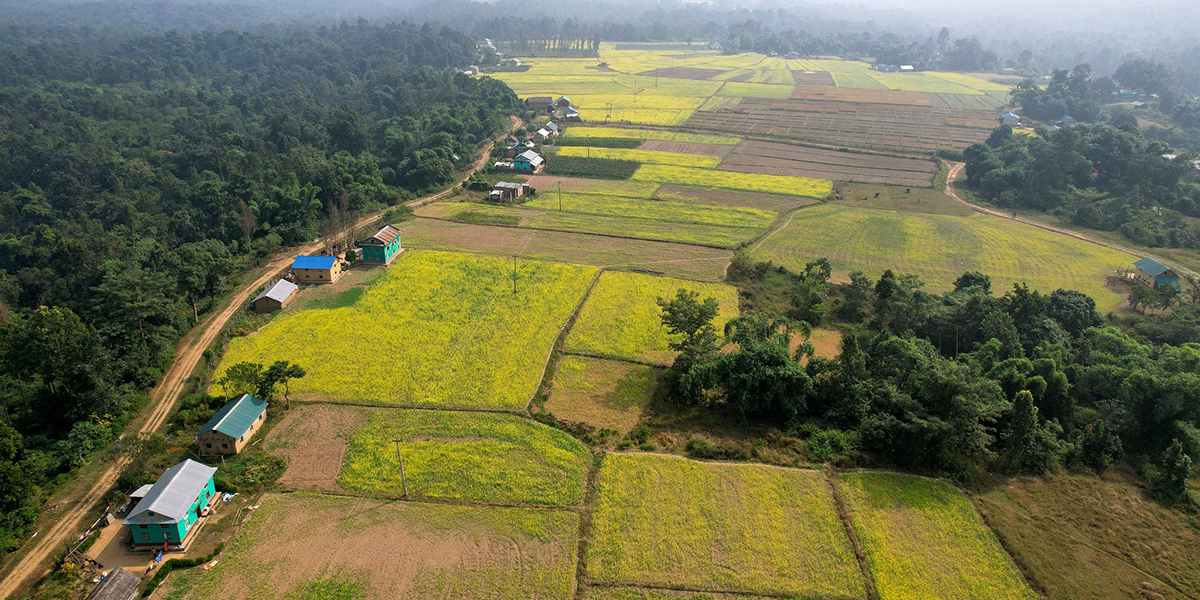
606, 394
940, 248
418, 336
923, 539
666, 521
621, 317
315, 546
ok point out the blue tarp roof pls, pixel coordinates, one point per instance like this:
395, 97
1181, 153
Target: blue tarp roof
314, 262
236, 417
1151, 267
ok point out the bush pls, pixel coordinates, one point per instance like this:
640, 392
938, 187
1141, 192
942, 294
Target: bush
249, 472
831, 444
595, 168
702, 448
481, 218
177, 563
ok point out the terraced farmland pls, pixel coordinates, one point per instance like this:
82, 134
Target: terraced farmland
923, 540
435, 317
297, 543
750, 182
799, 161
668, 521
621, 317
939, 248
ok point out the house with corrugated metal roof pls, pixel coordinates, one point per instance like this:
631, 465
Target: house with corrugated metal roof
317, 269
1154, 274
382, 247
228, 431
173, 506
528, 161
275, 297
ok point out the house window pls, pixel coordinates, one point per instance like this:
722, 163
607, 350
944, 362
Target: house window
141, 526
162, 526
208, 445
145, 537
225, 446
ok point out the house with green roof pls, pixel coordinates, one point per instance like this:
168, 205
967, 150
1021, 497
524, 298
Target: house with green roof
1154, 274
173, 506
228, 431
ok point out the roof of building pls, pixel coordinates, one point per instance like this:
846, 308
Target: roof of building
118, 585
906, 67
551, 126
385, 235
1053, 128
235, 418
507, 185
314, 262
280, 291
1137, 103
142, 491
1010, 114
173, 494
533, 157
570, 111
1151, 267
542, 132
539, 100
561, 98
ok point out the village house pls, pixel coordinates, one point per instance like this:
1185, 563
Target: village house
541, 134
317, 269
381, 248
1151, 273
173, 506
714, 46
792, 55
472, 70
570, 114
1136, 104
562, 102
228, 431
505, 191
528, 161
907, 68
1129, 94
1010, 119
551, 127
276, 297
886, 68
540, 103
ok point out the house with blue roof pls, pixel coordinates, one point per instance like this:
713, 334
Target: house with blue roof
228, 431
1154, 274
317, 269
173, 507
1011, 119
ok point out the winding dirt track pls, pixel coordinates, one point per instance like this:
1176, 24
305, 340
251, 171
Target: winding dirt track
163, 399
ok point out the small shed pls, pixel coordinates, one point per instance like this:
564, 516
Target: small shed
317, 269
507, 190
528, 161
541, 134
228, 431
118, 584
173, 506
1053, 128
562, 102
1010, 119
1065, 121
907, 68
382, 247
570, 114
551, 127
276, 297
1154, 274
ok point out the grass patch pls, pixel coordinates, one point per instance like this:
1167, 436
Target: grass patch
420, 333
339, 300
466, 456
669, 521
622, 319
599, 142
597, 168
606, 394
644, 156
904, 199
751, 182
923, 539
485, 218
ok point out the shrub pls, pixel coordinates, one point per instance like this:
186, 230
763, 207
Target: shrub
702, 448
599, 142
596, 168
831, 444
177, 563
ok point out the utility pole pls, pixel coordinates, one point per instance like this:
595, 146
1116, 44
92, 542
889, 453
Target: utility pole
403, 481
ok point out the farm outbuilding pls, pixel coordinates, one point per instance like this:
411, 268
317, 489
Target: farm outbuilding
562, 102
1154, 274
276, 297
528, 161
317, 269
507, 190
1010, 119
174, 505
382, 247
540, 103
228, 431
119, 584
570, 114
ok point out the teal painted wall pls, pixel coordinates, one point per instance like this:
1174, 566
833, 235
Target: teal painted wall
381, 254
175, 531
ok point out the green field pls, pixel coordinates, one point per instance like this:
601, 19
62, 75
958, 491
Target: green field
419, 335
621, 317
939, 248
643, 156
751, 182
923, 540
654, 210
672, 522
297, 546
483, 457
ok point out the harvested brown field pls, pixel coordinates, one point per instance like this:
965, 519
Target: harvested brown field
314, 439
916, 129
686, 148
307, 545
603, 393
785, 159
804, 78
675, 260
1088, 537
858, 95
683, 73
742, 77
732, 198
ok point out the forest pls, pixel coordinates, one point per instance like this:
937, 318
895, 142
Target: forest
139, 176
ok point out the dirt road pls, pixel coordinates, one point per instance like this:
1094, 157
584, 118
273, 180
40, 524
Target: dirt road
956, 169
163, 399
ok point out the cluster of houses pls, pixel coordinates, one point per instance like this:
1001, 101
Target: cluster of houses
560, 106
523, 155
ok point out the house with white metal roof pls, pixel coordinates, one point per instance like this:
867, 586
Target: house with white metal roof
173, 506
275, 297
228, 431
528, 161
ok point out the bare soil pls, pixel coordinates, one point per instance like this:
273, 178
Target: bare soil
686, 148
605, 394
314, 439
813, 78
866, 95
785, 159
731, 198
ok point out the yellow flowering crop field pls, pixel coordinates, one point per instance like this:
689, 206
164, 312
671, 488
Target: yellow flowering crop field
643, 156
484, 457
751, 182
667, 521
419, 335
681, 213
652, 134
621, 318
923, 540
939, 248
